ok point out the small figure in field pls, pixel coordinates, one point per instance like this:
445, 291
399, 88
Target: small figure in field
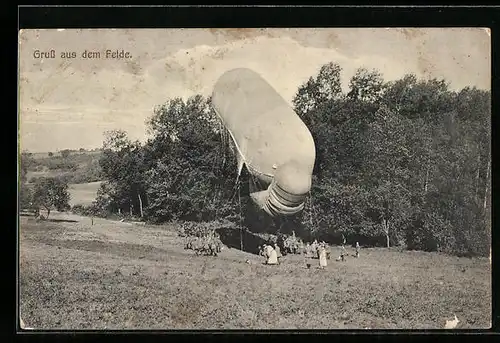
269, 254
327, 249
262, 252
278, 252
314, 248
357, 249
322, 257
343, 254
272, 257
307, 247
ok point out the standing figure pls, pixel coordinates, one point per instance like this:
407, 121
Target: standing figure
322, 257
278, 252
357, 249
343, 254
314, 248
308, 249
327, 250
272, 257
263, 252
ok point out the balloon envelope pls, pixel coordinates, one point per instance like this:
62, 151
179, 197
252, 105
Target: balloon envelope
272, 141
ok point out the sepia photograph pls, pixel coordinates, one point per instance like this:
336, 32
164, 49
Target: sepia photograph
254, 179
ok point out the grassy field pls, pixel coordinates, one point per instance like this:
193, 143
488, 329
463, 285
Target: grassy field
83, 193
126, 276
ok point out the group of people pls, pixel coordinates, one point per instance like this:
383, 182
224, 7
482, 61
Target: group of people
313, 248
209, 244
272, 253
343, 253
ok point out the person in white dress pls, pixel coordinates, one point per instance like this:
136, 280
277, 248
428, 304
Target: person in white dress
322, 257
272, 256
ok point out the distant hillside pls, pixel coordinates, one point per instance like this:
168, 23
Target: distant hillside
76, 167
80, 152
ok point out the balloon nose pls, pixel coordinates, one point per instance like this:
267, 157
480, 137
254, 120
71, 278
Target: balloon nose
294, 178
288, 191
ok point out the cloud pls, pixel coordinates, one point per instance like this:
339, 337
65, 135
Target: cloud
97, 94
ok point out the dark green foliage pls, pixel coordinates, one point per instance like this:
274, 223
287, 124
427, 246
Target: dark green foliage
51, 193
26, 163
93, 210
25, 197
405, 163
183, 172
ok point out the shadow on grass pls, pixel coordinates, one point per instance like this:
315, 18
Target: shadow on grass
232, 238
60, 220
52, 220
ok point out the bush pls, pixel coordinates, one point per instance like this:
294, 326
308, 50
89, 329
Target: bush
51, 193
25, 197
430, 232
79, 209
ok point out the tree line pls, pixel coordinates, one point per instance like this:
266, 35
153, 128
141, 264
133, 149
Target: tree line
399, 163
408, 159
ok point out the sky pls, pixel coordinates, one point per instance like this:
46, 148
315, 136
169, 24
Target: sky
68, 103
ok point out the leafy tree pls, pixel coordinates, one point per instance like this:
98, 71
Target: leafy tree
401, 159
326, 86
51, 193
398, 93
26, 163
122, 165
25, 197
191, 170
366, 86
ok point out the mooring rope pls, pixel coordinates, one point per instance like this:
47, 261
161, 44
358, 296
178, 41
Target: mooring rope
241, 218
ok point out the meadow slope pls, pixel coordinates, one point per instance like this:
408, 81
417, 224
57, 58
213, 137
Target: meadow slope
83, 193
117, 275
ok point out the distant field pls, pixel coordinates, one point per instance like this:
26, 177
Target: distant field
46, 173
118, 275
41, 155
84, 193
78, 167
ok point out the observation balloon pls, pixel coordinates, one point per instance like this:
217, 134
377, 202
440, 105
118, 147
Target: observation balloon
271, 140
